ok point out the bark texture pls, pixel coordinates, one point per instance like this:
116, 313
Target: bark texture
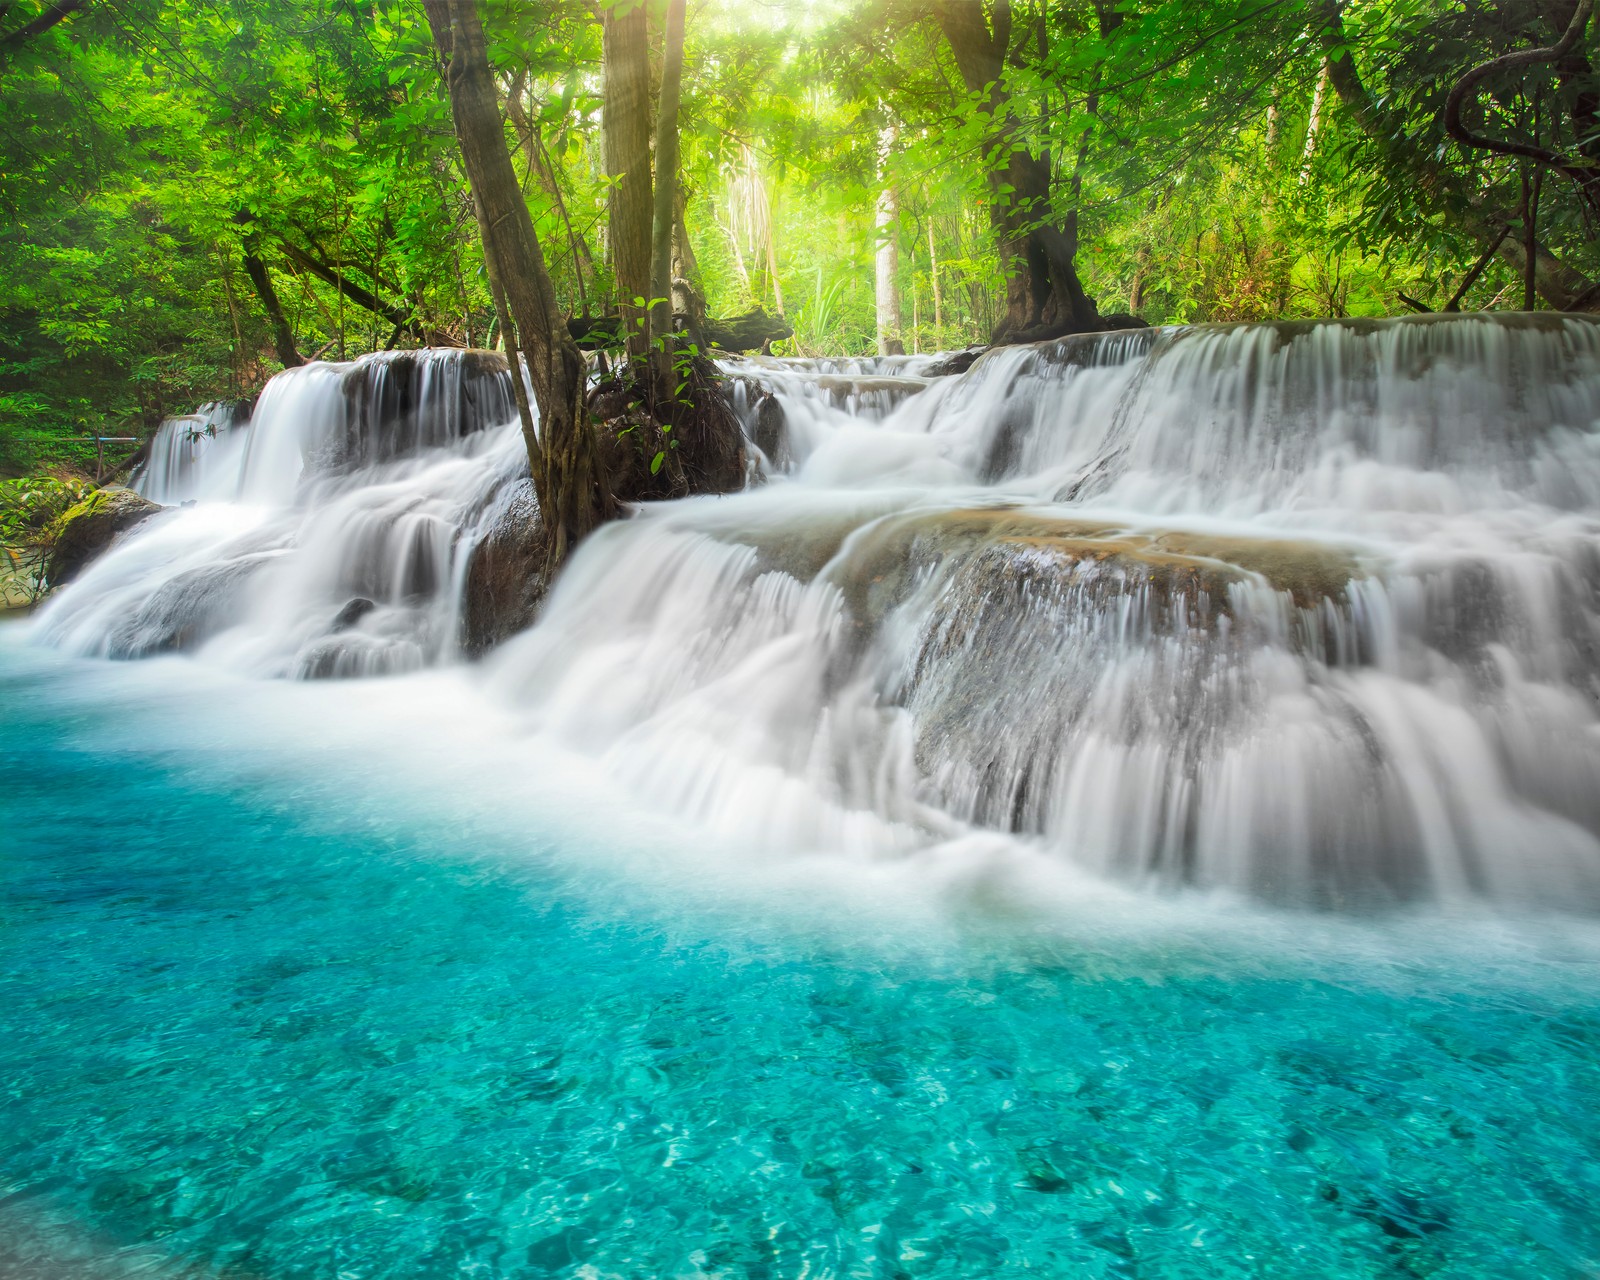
666, 180
282, 334
572, 495
626, 118
1044, 297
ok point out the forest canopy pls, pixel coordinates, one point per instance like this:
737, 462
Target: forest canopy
196, 193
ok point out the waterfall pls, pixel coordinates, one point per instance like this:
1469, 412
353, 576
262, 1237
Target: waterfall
327, 536
1308, 612
191, 453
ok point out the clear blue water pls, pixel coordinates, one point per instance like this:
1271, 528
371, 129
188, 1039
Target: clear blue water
267, 1020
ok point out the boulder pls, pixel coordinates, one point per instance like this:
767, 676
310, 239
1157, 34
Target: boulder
772, 432
83, 531
186, 610
354, 610
506, 572
955, 362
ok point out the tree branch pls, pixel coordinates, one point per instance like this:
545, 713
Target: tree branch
400, 316
54, 14
1467, 86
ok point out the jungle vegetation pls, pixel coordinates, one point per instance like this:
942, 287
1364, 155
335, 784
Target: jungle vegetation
197, 193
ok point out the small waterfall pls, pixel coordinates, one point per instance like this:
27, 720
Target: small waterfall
195, 454
1306, 612
326, 537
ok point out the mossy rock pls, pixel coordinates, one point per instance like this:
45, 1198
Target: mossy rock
1010, 546
82, 532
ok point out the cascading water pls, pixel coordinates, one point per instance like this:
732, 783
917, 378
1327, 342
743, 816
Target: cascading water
1309, 612
326, 537
188, 451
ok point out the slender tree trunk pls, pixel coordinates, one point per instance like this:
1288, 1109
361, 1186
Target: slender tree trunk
887, 258
666, 178
772, 263
562, 457
688, 294
1530, 237
626, 117
731, 231
236, 353
1314, 123
282, 335
543, 171
933, 275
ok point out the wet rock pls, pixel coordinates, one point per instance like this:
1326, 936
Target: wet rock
400, 402
844, 390
185, 611
608, 400
955, 362
1003, 630
352, 613
1174, 565
82, 532
772, 432
506, 574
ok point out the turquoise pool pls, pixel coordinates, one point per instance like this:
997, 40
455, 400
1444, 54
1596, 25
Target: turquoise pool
272, 1013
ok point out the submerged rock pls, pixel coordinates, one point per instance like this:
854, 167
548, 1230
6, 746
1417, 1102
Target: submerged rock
352, 613
1186, 578
955, 362
772, 432
82, 532
401, 402
186, 610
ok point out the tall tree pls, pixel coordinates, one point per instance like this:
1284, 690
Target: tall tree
573, 497
626, 122
666, 176
886, 260
1044, 295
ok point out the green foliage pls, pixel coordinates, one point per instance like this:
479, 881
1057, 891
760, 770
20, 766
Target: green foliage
149, 146
29, 506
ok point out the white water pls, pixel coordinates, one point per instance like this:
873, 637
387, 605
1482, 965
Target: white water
1309, 613
325, 538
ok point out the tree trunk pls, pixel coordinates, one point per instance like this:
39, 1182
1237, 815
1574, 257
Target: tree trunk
562, 457
688, 294
887, 274
1308, 153
282, 334
666, 177
626, 116
1044, 296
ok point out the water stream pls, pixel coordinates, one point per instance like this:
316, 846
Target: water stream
1304, 612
